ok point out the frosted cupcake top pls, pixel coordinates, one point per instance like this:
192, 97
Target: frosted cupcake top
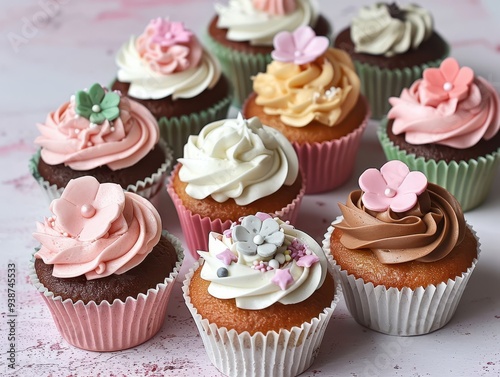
258, 21
383, 29
239, 159
263, 261
97, 128
448, 106
401, 217
166, 60
307, 81
97, 230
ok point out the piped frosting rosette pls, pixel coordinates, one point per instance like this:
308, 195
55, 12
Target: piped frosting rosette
99, 128
449, 106
98, 230
166, 60
258, 262
238, 159
309, 82
400, 217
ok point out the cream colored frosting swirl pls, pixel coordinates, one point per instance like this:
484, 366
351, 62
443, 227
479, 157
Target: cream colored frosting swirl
426, 233
378, 32
146, 83
251, 283
324, 90
246, 23
129, 238
457, 124
69, 139
239, 159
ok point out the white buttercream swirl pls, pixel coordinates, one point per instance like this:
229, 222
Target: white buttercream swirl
374, 31
246, 23
239, 159
148, 84
253, 289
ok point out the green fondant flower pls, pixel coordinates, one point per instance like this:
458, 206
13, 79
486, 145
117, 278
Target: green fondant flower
97, 105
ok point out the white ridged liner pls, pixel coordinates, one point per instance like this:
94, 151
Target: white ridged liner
276, 354
116, 326
404, 312
146, 188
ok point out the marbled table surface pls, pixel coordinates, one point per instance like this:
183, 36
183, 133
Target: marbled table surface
50, 48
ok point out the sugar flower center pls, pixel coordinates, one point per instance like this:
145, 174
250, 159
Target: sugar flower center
447, 86
390, 192
87, 211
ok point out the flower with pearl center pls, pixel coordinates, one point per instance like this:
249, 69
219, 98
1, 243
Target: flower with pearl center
255, 236
88, 214
449, 81
96, 105
394, 187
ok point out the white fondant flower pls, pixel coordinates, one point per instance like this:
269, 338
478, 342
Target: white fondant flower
255, 236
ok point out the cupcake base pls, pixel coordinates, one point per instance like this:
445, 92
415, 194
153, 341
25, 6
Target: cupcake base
469, 181
402, 312
283, 353
112, 326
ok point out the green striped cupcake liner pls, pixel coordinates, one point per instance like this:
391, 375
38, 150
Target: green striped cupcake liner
469, 181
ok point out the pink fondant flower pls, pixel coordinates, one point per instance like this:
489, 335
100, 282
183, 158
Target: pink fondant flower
300, 47
87, 210
167, 33
275, 7
449, 81
393, 186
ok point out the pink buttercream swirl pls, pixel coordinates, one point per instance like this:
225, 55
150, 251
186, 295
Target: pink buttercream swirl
275, 7
97, 230
166, 47
73, 140
448, 106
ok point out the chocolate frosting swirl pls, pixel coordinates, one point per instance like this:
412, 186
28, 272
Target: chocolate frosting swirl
425, 233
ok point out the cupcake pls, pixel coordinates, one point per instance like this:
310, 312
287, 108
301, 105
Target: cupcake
104, 268
311, 94
446, 125
402, 251
233, 168
391, 45
261, 297
105, 135
241, 35
167, 70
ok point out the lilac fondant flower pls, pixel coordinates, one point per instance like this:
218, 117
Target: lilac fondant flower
300, 47
255, 236
394, 187
88, 214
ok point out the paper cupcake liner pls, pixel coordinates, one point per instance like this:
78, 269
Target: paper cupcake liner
239, 67
147, 188
329, 164
404, 312
470, 182
176, 130
379, 84
111, 326
196, 228
284, 353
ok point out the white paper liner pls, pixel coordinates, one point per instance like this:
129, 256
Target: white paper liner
116, 326
146, 188
404, 312
280, 354
196, 228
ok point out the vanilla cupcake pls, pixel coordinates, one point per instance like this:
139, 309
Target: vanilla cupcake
262, 297
390, 46
402, 250
105, 135
168, 71
241, 35
447, 125
104, 267
311, 93
233, 168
